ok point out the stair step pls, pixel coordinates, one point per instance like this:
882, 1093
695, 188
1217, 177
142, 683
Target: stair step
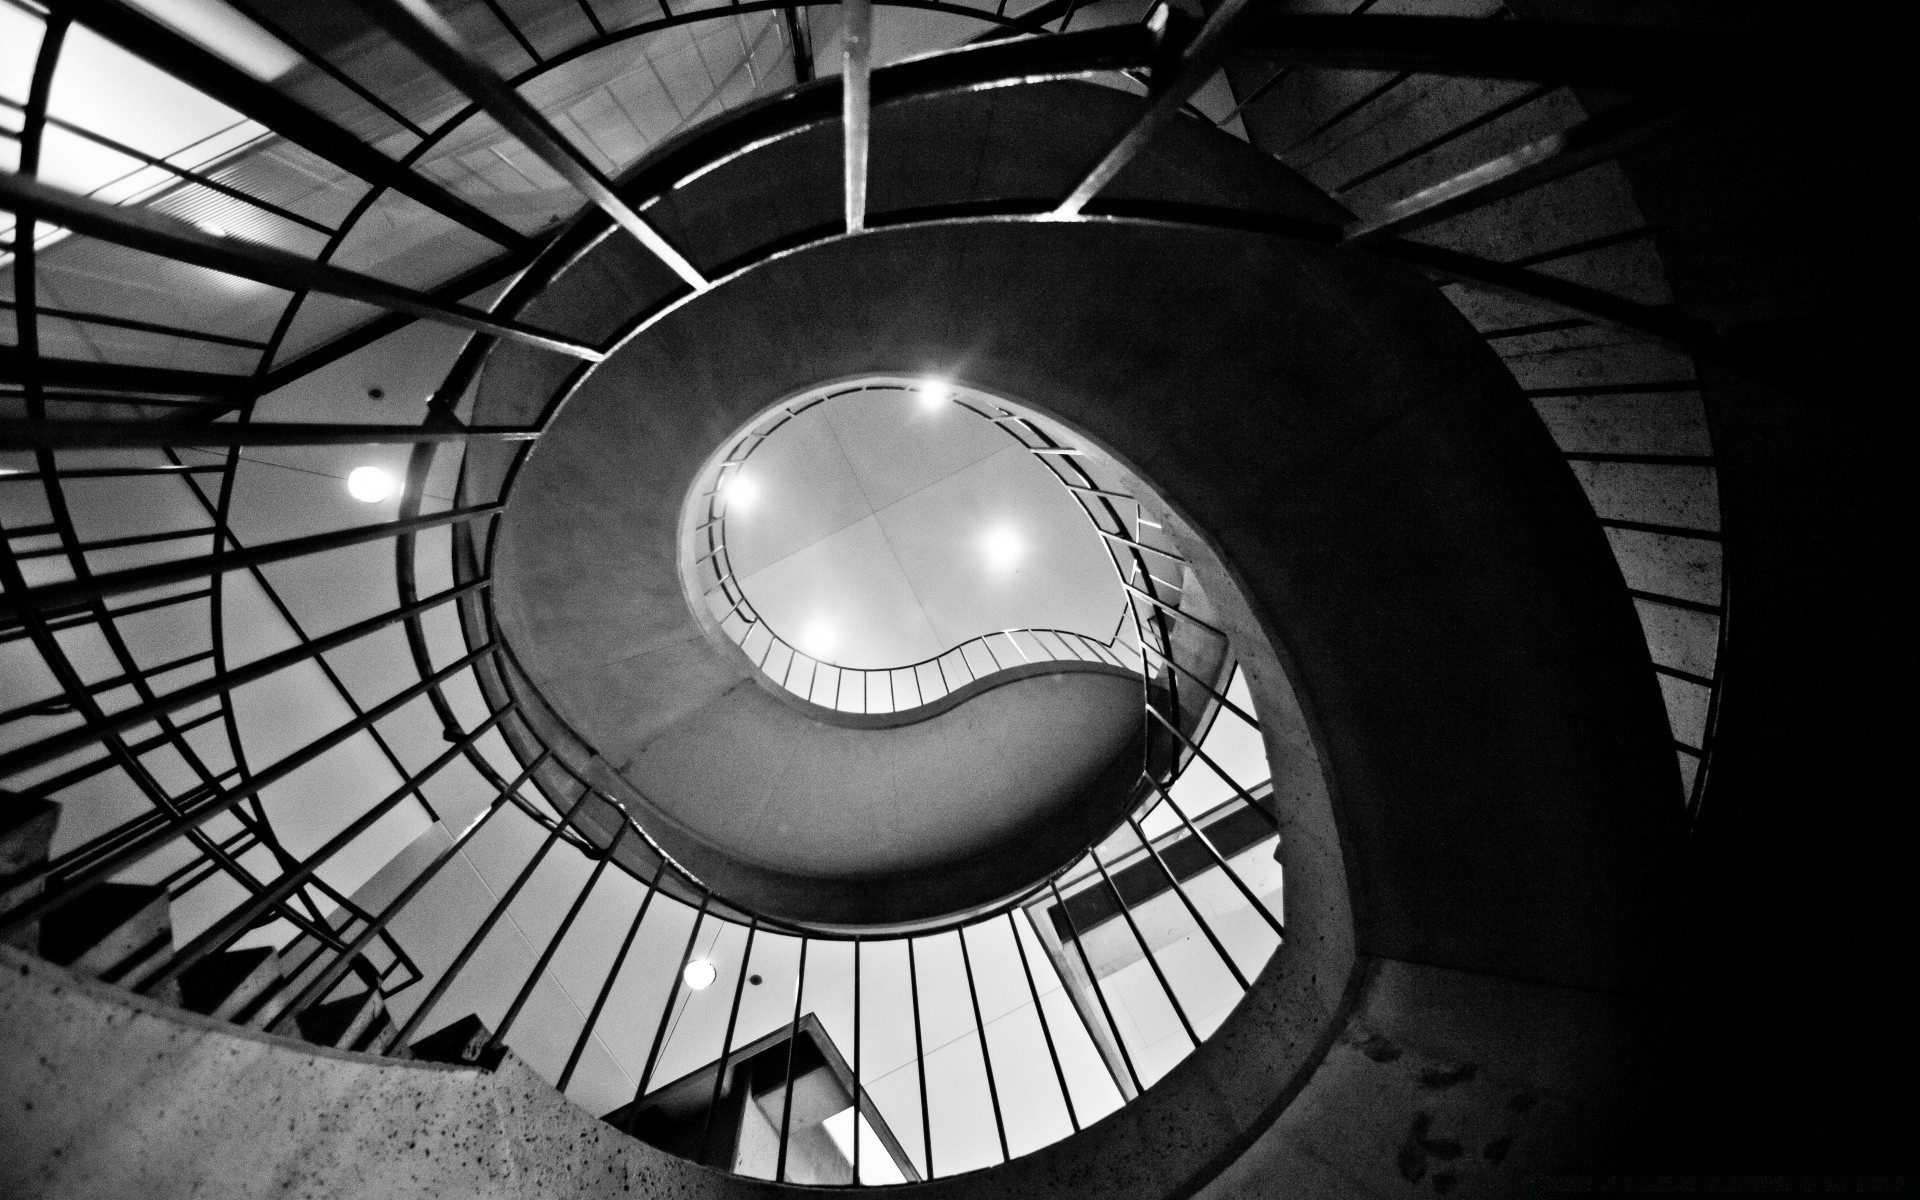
339, 1023
378, 1036
26, 838
462, 1043
223, 986
112, 932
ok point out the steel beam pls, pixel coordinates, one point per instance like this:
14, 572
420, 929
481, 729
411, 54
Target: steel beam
74, 435
148, 39
116, 377
136, 579
156, 233
421, 29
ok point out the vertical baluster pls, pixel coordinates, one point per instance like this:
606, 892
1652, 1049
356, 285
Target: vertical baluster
1273, 921
1127, 913
1093, 982
920, 1058
606, 988
1046, 1030
859, 1088
986, 1056
726, 1042
480, 935
793, 1040
553, 943
666, 1014
1192, 910
325, 981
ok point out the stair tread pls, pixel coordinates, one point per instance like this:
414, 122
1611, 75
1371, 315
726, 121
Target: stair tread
100, 931
222, 985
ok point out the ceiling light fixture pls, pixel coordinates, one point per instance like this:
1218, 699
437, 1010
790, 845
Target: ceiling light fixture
818, 639
933, 392
741, 492
700, 974
1003, 547
371, 485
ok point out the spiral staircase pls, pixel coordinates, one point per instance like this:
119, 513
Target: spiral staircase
1377, 345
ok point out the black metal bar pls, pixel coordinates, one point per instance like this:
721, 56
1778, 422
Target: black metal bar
321, 62
45, 751
1225, 778
135, 579
92, 318
83, 376
1163, 606
1146, 952
859, 1089
76, 435
1208, 51
793, 1042
147, 38
726, 1042
986, 1055
1093, 983
189, 821
1219, 859
119, 543
420, 28
802, 52
1557, 155
613, 973
109, 473
1046, 1030
673, 993
439, 989
920, 1057
1192, 909
325, 981
240, 919
559, 935
1679, 531
1529, 51
1218, 697
1712, 610
156, 233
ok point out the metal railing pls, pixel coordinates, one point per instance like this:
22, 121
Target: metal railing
178, 746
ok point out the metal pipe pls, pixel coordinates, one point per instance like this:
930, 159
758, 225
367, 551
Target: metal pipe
1046, 1030
1146, 952
920, 1058
553, 943
1195, 832
793, 1041
325, 981
673, 993
856, 105
1192, 910
613, 973
726, 1042
986, 1056
439, 989
1093, 982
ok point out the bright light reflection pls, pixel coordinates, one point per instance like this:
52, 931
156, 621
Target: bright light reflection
210, 229
933, 393
818, 638
741, 492
699, 974
1003, 547
371, 484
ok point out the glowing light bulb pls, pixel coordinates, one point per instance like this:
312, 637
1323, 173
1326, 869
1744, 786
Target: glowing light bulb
370, 485
699, 974
818, 638
933, 393
1003, 547
741, 492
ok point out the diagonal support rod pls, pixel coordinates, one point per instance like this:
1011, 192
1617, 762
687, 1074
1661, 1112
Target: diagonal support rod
1209, 51
74, 435
424, 31
156, 233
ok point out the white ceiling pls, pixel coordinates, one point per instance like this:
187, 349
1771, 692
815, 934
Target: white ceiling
883, 531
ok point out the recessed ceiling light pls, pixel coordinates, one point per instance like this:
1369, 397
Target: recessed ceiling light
818, 639
1003, 547
371, 484
741, 492
699, 974
933, 393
